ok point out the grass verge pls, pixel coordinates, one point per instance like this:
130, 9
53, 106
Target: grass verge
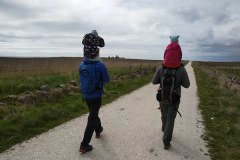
220, 108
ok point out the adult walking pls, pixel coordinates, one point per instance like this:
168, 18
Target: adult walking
171, 76
93, 74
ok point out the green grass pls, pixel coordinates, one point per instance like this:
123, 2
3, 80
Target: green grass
221, 113
18, 123
28, 121
15, 85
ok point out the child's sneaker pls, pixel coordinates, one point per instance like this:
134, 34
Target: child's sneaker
85, 149
167, 146
98, 133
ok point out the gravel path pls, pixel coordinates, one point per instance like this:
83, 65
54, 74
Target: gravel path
132, 130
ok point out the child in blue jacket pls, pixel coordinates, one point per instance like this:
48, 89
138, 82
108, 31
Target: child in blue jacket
93, 100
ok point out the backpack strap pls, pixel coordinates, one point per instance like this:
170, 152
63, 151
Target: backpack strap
182, 65
99, 82
176, 88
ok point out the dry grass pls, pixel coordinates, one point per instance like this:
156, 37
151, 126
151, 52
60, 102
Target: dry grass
225, 74
35, 66
39, 66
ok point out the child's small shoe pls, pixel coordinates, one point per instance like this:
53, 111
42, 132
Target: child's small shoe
85, 149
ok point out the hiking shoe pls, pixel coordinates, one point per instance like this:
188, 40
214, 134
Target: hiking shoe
85, 149
98, 133
167, 146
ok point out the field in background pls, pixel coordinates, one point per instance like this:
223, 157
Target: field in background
18, 75
219, 92
37, 94
39, 66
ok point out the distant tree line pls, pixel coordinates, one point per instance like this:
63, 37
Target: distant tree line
116, 57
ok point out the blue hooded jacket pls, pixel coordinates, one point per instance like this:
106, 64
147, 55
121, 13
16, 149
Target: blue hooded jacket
102, 78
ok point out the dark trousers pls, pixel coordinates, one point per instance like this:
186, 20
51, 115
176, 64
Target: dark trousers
94, 122
169, 112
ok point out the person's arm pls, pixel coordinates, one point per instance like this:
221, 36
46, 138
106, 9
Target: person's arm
101, 42
157, 77
185, 79
84, 41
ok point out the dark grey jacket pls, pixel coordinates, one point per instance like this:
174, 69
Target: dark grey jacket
181, 78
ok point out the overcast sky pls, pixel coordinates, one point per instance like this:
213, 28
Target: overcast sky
208, 29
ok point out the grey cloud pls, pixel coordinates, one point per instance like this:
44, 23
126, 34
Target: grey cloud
36, 37
5, 40
16, 9
221, 48
235, 33
77, 27
188, 14
130, 45
219, 13
221, 18
59, 26
133, 4
210, 44
112, 30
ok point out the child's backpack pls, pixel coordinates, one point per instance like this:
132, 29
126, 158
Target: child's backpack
88, 78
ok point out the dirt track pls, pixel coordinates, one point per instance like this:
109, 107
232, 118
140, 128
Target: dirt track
132, 130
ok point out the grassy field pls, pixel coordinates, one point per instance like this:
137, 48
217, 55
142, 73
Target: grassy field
39, 94
219, 92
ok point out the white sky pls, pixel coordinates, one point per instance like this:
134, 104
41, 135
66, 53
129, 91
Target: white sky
208, 29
